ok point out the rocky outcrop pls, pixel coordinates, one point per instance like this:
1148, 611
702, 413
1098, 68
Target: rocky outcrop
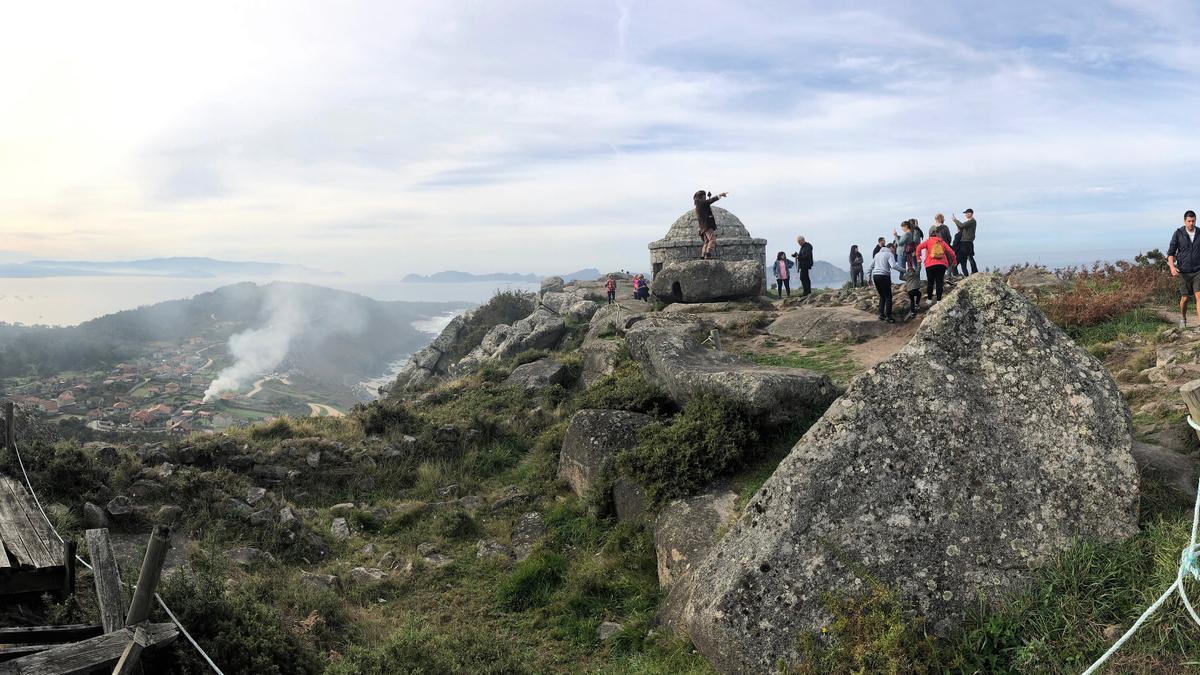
684, 532
431, 362
982, 449
599, 359
572, 306
822, 324
591, 444
540, 330
552, 285
708, 281
538, 375
672, 355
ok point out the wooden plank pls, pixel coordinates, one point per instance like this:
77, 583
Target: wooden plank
147, 583
28, 580
68, 563
84, 657
133, 652
108, 580
28, 531
4, 561
10, 653
48, 635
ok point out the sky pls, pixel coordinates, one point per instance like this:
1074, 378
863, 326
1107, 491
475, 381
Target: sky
382, 138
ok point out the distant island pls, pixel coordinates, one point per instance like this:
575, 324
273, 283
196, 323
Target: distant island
456, 277
178, 267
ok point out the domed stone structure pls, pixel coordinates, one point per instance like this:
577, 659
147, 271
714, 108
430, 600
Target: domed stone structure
683, 241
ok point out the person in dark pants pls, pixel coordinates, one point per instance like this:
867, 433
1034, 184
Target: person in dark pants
882, 267
804, 263
706, 221
1183, 257
782, 277
856, 267
937, 256
611, 287
967, 244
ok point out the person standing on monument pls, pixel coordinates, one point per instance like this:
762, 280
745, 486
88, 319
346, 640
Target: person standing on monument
804, 263
967, 253
1183, 257
706, 221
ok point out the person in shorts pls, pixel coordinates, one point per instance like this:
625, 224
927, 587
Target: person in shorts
1183, 257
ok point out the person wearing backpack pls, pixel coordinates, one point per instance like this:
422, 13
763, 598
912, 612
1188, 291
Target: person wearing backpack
706, 221
906, 244
936, 256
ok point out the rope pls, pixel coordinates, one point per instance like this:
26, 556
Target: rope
1188, 565
162, 603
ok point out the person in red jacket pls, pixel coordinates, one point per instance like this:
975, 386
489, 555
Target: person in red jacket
611, 287
937, 256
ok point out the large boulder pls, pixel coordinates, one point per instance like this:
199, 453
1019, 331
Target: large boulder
552, 285
822, 324
431, 362
540, 330
672, 354
708, 281
981, 450
684, 532
591, 444
600, 359
538, 375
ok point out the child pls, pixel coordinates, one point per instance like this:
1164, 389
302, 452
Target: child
912, 286
611, 287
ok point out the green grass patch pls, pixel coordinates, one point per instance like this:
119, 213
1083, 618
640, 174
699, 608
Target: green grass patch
833, 359
1140, 321
532, 582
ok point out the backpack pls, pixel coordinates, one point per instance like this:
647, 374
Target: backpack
937, 250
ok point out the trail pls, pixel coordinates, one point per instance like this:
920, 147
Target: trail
315, 410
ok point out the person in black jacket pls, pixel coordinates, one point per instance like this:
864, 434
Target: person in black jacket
1183, 257
706, 221
856, 267
804, 262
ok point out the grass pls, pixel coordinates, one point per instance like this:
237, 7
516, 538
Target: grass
832, 359
1140, 321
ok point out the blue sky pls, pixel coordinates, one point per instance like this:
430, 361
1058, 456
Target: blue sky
382, 138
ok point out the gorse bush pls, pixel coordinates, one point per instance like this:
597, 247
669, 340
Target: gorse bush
626, 389
709, 438
1106, 290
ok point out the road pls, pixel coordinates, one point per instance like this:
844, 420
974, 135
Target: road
316, 409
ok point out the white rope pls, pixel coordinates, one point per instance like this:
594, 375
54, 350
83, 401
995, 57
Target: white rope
1187, 566
162, 603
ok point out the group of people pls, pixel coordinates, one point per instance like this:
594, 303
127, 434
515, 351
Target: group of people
641, 290
910, 251
782, 269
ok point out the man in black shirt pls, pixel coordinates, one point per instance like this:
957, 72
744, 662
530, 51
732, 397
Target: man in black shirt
1183, 257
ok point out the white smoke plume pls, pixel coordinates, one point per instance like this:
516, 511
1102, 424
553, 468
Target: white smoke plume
260, 350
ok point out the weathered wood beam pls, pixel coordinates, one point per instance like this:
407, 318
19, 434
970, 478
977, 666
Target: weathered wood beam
147, 583
45, 635
133, 652
107, 576
87, 656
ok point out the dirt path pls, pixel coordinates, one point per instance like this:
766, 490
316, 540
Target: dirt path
315, 410
872, 353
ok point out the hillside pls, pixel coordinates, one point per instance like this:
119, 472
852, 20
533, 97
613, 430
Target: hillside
536, 500
336, 332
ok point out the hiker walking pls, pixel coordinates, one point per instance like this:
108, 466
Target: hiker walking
782, 281
804, 263
967, 244
706, 221
611, 287
856, 267
882, 267
1183, 257
937, 256
640, 290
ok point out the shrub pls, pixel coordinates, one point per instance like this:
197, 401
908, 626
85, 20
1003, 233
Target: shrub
532, 582
1106, 290
712, 436
384, 417
529, 356
626, 389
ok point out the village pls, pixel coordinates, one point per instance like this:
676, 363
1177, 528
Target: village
162, 391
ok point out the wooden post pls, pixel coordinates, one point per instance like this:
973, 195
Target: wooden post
715, 336
69, 549
156, 553
1191, 396
133, 651
10, 431
108, 580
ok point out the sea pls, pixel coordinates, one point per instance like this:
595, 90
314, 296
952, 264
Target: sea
67, 301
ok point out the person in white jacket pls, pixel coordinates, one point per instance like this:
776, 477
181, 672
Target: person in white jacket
882, 266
